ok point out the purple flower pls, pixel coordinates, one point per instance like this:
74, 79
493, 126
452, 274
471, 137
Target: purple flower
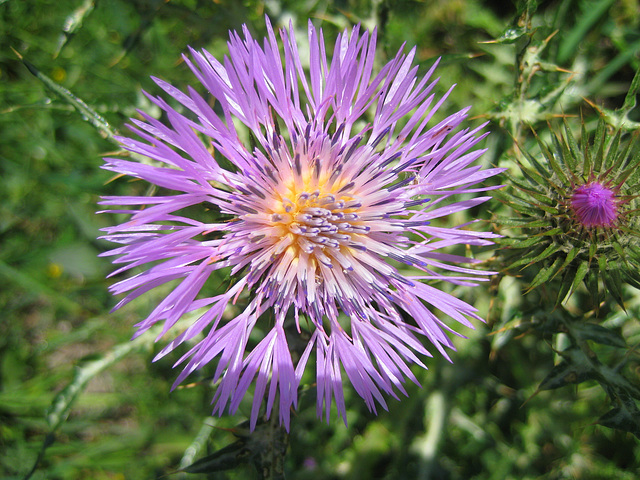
326, 235
595, 205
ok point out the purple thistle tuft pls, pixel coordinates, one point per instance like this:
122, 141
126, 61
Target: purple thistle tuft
577, 207
328, 237
595, 205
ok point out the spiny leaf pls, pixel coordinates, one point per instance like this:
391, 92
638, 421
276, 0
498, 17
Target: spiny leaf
511, 35
586, 152
598, 147
524, 261
613, 282
581, 272
598, 334
555, 166
631, 277
612, 157
630, 100
522, 207
536, 255
565, 285
551, 232
540, 169
565, 373
572, 145
624, 417
265, 447
591, 281
528, 258
549, 210
633, 162
530, 194
573, 253
508, 241
522, 222
618, 248
521, 192
546, 273
226, 458
533, 177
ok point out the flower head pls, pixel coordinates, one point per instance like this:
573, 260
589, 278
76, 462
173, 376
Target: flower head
578, 210
322, 212
595, 205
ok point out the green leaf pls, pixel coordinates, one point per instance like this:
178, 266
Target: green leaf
226, 458
265, 447
581, 272
633, 163
566, 373
573, 253
613, 282
523, 222
571, 158
551, 232
547, 252
598, 147
624, 417
529, 191
64, 400
555, 166
523, 207
565, 285
597, 333
509, 241
585, 23
549, 210
591, 282
537, 255
586, 152
630, 100
528, 257
612, 158
534, 177
87, 112
59, 410
546, 273
511, 35
73, 23
542, 170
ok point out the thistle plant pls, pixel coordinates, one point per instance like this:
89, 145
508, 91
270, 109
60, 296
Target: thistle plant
577, 213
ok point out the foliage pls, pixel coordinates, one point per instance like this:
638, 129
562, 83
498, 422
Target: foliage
548, 388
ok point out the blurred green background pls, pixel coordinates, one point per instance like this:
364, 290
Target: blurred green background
470, 420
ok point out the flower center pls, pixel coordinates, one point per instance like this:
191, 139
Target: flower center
320, 223
595, 205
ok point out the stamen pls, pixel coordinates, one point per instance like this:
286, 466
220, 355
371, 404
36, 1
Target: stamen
287, 204
327, 199
303, 197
